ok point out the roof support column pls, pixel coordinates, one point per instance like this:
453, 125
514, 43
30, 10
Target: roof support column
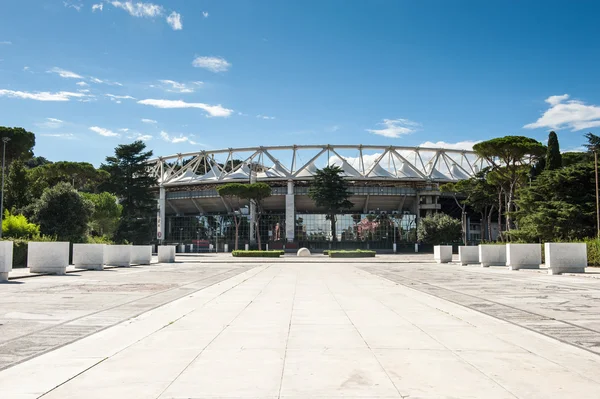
290, 212
252, 210
160, 214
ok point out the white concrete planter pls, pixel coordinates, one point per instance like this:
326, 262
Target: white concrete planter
303, 252
468, 255
117, 255
6, 259
141, 254
523, 256
48, 257
442, 253
166, 254
565, 257
88, 256
492, 255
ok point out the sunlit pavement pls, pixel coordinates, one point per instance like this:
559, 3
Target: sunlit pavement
372, 329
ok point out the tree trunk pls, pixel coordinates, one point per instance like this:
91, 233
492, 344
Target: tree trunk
333, 232
500, 216
483, 224
257, 233
237, 230
489, 222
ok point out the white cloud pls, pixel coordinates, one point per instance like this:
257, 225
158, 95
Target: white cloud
171, 139
394, 128
26, 68
118, 99
143, 137
563, 114
66, 136
50, 123
70, 4
333, 128
140, 10
82, 84
5, 42
212, 110
41, 96
176, 87
106, 82
265, 117
151, 121
213, 64
174, 20
104, 132
461, 145
205, 14
99, 6
125, 129
83, 90
63, 73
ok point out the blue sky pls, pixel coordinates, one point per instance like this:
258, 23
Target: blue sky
87, 75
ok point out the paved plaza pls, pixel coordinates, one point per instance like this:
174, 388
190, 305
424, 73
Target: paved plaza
215, 327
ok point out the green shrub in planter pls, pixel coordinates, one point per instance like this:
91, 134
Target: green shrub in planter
258, 254
20, 249
358, 253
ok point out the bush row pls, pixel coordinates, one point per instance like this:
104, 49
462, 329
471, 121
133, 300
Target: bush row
258, 254
358, 253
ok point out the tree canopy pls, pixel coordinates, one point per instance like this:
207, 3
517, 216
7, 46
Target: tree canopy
553, 156
20, 145
107, 211
439, 229
330, 192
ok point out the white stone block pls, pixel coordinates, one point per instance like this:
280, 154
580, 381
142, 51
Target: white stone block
117, 255
523, 256
141, 254
88, 256
48, 257
6, 259
166, 254
492, 255
468, 255
303, 252
565, 257
442, 253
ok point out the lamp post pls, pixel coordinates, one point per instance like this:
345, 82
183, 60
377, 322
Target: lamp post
597, 198
4, 141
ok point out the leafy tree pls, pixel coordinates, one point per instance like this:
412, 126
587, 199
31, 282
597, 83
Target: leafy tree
553, 157
330, 192
131, 181
439, 229
572, 158
106, 214
20, 145
234, 193
510, 158
558, 205
82, 175
256, 193
17, 186
37, 161
63, 213
17, 226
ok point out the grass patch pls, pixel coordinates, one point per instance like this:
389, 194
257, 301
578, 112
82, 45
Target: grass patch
357, 253
258, 254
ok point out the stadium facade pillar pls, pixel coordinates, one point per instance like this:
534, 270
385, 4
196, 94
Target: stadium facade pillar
290, 212
161, 221
252, 210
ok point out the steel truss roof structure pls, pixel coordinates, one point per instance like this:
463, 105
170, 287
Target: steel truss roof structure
300, 162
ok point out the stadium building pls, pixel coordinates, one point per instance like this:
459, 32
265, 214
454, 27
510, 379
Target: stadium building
392, 188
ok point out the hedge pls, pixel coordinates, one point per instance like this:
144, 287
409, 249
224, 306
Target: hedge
258, 254
358, 253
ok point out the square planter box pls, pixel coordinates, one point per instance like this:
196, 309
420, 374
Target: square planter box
88, 256
492, 255
48, 257
6, 259
442, 253
141, 254
468, 255
523, 256
117, 255
565, 257
166, 254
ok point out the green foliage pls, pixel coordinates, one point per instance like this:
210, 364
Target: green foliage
20, 145
17, 186
330, 192
233, 190
558, 205
106, 214
357, 253
17, 226
593, 251
131, 181
572, 158
63, 213
258, 254
99, 240
553, 157
82, 175
439, 229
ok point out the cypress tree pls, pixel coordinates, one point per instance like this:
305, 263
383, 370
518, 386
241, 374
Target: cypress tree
553, 156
